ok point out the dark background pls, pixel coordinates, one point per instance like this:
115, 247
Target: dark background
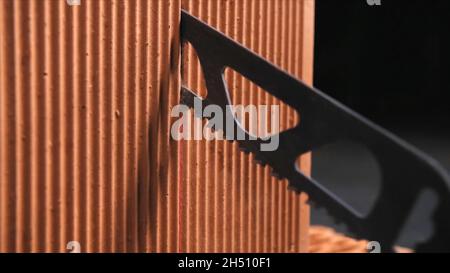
392, 64
386, 61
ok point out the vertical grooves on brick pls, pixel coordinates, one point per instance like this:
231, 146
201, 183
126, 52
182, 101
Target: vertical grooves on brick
235, 205
85, 148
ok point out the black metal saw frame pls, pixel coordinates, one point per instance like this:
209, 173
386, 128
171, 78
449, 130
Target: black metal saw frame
405, 170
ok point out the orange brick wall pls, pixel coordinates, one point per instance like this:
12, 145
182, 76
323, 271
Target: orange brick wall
85, 152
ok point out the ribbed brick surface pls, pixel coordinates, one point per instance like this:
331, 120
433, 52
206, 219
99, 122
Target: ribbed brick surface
85, 152
233, 204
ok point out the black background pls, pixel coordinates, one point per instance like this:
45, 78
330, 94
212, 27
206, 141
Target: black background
389, 62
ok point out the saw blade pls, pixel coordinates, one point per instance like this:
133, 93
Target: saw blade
405, 170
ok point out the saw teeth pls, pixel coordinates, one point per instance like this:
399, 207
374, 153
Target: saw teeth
244, 149
263, 162
293, 188
260, 160
275, 174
